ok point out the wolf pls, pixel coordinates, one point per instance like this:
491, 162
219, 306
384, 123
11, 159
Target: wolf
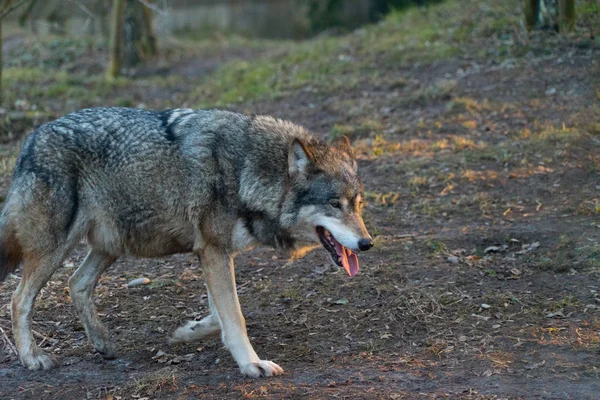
153, 183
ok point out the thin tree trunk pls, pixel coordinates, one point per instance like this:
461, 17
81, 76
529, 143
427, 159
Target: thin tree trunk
149, 38
532, 10
1, 43
116, 39
566, 15
27, 13
139, 40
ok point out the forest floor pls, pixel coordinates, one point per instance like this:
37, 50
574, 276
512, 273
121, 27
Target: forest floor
479, 147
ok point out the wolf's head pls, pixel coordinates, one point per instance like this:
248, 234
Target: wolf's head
326, 197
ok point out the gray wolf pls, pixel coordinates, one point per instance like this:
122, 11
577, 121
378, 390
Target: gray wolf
153, 183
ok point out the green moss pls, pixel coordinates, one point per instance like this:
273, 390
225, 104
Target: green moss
330, 63
13, 75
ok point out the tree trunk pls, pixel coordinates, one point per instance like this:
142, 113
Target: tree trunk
566, 15
532, 10
1, 43
116, 39
140, 41
102, 10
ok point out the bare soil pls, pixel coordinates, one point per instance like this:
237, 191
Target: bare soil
484, 202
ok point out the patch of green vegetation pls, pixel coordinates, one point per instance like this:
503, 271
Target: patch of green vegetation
556, 135
240, 81
418, 181
559, 263
14, 75
486, 153
562, 303
53, 52
467, 104
490, 272
590, 255
292, 294
159, 283
435, 247
328, 63
441, 90
431, 208
366, 127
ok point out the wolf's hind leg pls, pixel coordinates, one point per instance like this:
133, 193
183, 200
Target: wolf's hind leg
37, 270
81, 289
197, 330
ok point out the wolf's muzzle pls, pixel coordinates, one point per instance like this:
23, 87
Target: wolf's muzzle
365, 244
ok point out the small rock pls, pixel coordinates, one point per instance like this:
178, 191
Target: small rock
551, 91
485, 306
495, 249
453, 260
496, 326
138, 282
536, 365
557, 314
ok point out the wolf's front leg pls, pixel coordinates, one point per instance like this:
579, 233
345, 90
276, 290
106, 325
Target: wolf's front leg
220, 279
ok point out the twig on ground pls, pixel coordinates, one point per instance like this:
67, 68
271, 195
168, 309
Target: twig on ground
8, 342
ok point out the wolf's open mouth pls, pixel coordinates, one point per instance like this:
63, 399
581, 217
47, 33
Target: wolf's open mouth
340, 255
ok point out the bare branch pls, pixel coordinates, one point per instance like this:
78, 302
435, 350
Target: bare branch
154, 8
84, 9
12, 8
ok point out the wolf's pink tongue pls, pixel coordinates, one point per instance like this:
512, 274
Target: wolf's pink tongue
353, 261
349, 259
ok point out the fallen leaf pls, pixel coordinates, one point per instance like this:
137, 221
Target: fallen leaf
161, 357
515, 271
138, 282
536, 365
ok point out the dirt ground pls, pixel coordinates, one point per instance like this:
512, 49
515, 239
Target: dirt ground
484, 200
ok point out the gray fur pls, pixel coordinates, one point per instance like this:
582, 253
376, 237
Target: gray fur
147, 184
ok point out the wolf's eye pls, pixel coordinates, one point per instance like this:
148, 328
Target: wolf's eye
335, 203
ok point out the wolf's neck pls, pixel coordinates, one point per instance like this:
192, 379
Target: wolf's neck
267, 230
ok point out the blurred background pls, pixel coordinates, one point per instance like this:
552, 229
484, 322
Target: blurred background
476, 128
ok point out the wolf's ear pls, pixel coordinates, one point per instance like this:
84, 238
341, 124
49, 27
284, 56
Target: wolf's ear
299, 158
343, 143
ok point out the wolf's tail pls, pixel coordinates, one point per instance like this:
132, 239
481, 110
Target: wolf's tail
11, 252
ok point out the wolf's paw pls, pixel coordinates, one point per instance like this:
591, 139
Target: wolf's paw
195, 330
106, 350
261, 368
39, 361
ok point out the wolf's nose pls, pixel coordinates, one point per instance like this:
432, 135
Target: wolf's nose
365, 244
